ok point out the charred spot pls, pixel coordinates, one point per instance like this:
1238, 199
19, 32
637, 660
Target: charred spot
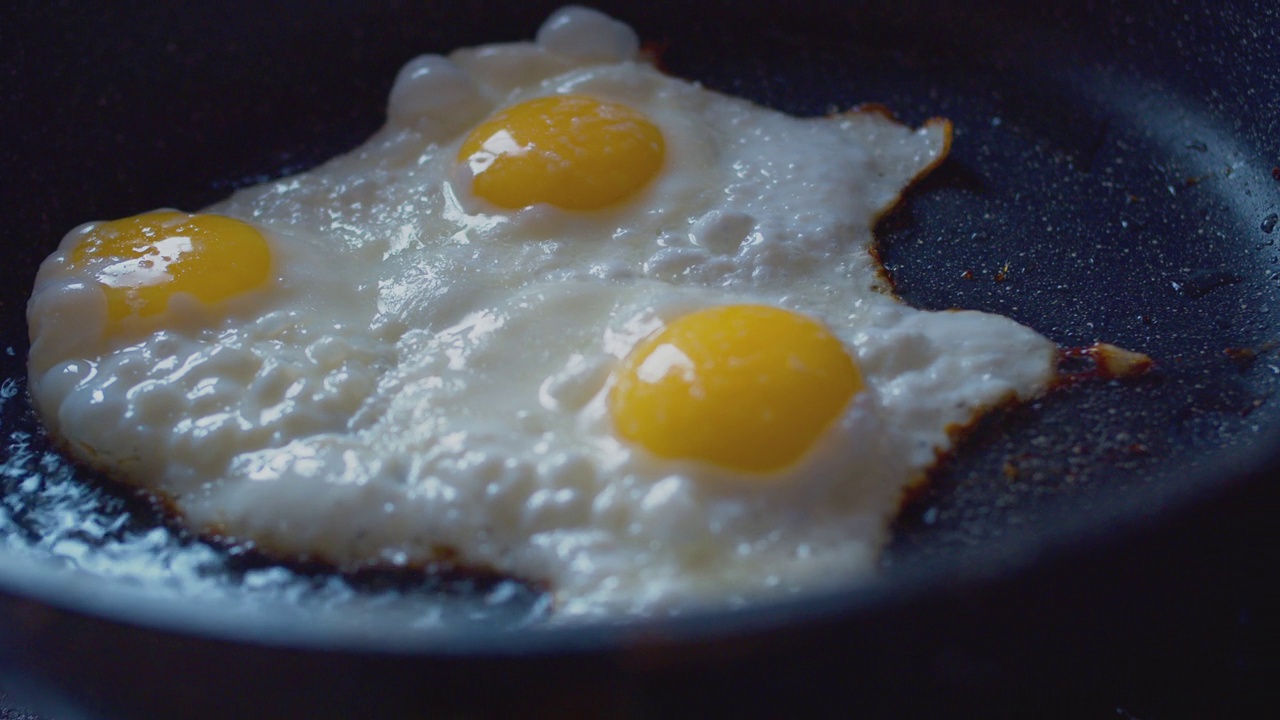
1244, 358
654, 52
1101, 361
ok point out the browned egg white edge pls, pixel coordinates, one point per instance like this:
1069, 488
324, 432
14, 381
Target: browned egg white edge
886, 280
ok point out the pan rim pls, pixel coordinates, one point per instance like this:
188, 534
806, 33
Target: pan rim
1121, 519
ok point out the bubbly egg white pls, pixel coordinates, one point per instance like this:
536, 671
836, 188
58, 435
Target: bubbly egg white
425, 377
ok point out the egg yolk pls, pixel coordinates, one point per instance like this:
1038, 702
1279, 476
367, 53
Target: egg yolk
571, 151
746, 387
142, 261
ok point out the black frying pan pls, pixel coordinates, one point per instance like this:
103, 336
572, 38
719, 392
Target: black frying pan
1112, 178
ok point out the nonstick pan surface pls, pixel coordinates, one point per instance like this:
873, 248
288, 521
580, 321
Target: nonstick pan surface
1113, 178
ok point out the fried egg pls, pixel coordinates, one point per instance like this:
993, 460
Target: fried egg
564, 317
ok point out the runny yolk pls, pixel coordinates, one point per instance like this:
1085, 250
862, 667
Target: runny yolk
142, 261
571, 151
745, 387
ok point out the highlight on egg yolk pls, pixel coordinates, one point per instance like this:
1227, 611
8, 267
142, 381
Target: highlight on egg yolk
571, 151
142, 261
746, 387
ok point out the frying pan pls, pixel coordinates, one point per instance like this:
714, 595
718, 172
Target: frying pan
1112, 178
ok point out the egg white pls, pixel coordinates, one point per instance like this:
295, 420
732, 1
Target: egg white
426, 375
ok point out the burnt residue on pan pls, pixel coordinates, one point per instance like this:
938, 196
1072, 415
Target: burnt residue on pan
1105, 200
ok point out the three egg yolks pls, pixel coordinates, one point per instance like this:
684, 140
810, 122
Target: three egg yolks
746, 387
140, 262
570, 151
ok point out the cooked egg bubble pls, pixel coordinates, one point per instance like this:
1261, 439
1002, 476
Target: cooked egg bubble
563, 317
